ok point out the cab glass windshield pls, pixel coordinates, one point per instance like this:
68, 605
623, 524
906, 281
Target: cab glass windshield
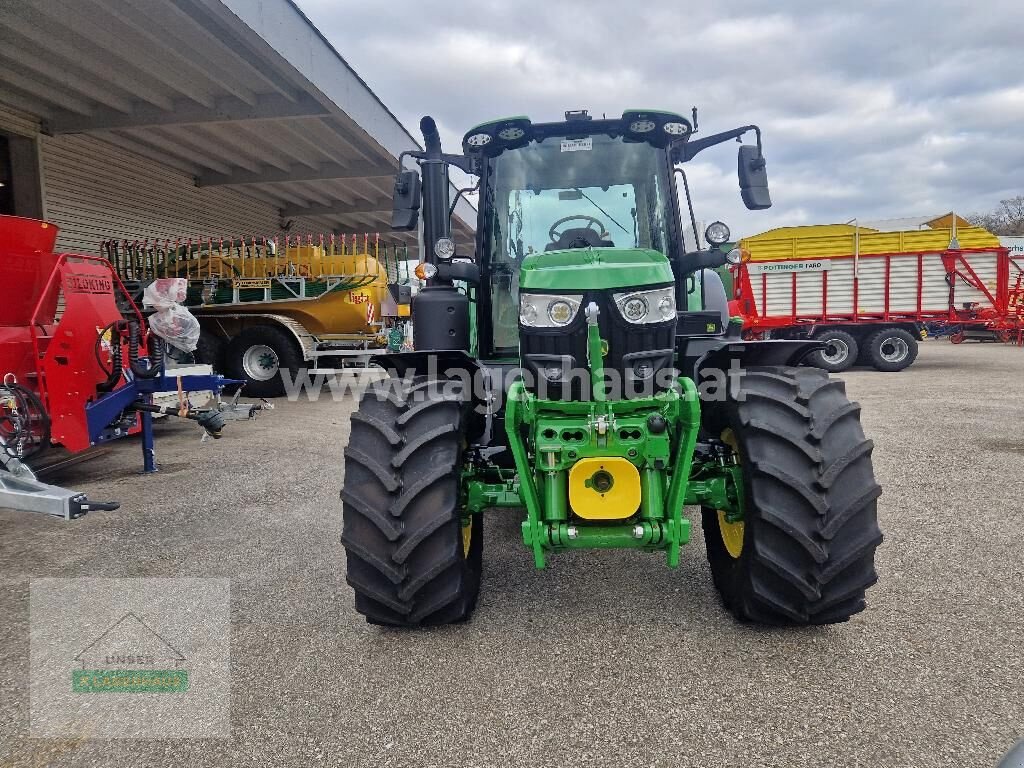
569, 193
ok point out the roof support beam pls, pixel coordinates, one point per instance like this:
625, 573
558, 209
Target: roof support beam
297, 173
339, 208
186, 112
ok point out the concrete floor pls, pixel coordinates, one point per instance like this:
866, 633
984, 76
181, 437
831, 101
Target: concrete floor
608, 659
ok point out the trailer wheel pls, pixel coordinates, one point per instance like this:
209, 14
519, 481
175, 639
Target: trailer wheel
413, 557
803, 552
892, 349
840, 354
258, 355
210, 350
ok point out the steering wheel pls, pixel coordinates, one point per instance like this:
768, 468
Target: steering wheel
600, 227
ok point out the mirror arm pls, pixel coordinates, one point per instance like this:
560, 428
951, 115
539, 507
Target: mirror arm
470, 165
465, 164
419, 155
688, 150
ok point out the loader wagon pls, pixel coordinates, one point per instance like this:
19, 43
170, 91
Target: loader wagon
868, 295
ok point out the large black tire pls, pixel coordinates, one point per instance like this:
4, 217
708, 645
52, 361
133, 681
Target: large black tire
892, 349
810, 526
403, 532
246, 352
210, 350
841, 353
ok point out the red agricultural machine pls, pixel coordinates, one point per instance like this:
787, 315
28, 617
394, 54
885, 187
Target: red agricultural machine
869, 295
78, 366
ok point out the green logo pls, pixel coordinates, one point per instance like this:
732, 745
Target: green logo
129, 680
130, 657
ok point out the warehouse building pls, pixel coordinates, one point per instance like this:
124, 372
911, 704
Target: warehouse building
184, 118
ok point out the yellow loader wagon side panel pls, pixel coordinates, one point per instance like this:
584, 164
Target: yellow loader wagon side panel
830, 240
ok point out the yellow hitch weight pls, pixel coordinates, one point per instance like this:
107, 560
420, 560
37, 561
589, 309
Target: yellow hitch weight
604, 488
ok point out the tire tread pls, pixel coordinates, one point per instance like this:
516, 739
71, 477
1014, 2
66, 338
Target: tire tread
811, 494
401, 516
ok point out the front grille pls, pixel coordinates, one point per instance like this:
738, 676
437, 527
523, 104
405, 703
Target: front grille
629, 347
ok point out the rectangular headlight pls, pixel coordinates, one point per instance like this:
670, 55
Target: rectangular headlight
654, 306
548, 310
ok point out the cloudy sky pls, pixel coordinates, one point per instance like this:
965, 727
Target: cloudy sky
869, 109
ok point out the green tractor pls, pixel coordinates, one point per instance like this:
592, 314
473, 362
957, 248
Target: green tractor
582, 367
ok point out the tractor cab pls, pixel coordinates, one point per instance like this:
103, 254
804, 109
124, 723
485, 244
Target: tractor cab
589, 205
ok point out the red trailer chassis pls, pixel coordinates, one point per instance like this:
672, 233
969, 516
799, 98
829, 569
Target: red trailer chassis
993, 301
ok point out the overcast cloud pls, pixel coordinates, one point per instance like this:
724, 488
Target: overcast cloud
869, 109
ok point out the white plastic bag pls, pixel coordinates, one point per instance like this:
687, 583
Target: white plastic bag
171, 321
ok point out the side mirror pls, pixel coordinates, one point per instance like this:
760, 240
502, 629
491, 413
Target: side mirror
750, 167
405, 212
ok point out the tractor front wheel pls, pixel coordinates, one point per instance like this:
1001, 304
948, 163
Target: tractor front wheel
803, 552
413, 557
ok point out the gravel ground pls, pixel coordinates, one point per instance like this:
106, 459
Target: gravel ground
609, 659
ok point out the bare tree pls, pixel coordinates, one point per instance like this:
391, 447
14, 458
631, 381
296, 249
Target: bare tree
1007, 219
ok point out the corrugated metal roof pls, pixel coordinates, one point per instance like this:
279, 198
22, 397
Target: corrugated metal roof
236, 93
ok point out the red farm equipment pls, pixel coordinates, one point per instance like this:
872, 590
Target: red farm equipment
79, 366
869, 296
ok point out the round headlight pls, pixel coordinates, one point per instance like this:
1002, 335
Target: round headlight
667, 307
560, 312
676, 129
641, 126
479, 139
527, 314
717, 233
511, 133
425, 271
634, 308
735, 256
444, 248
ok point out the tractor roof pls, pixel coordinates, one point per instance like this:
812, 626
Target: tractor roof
654, 127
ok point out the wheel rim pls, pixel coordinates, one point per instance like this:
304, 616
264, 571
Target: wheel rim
732, 532
836, 352
260, 362
894, 350
732, 535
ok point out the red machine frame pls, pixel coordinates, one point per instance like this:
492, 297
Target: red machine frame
67, 367
1004, 315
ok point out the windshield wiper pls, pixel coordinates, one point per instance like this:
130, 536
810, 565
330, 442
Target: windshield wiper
602, 210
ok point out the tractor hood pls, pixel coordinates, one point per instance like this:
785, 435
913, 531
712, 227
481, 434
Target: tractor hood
594, 269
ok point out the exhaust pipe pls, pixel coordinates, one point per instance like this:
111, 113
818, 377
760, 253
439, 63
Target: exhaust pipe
435, 190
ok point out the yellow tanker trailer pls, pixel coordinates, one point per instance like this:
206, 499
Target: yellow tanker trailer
268, 305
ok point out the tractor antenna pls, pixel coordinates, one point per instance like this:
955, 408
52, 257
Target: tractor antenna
694, 113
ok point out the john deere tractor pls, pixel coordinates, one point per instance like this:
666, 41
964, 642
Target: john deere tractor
582, 367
